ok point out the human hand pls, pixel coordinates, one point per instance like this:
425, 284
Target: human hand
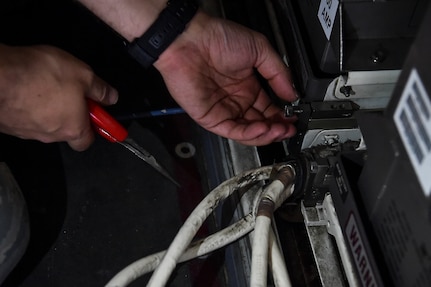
210, 72
42, 95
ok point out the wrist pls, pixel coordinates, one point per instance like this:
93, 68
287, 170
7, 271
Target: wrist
171, 23
186, 43
129, 18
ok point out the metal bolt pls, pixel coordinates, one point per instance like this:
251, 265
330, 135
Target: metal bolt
290, 111
378, 56
347, 91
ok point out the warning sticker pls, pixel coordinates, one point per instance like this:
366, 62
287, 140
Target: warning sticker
359, 253
326, 14
413, 120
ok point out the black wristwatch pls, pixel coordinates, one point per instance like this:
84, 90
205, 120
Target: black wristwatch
171, 22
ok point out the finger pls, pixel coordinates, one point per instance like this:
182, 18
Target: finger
102, 92
272, 136
83, 140
255, 132
265, 106
272, 68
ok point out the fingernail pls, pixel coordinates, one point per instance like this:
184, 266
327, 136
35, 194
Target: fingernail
112, 96
295, 91
285, 60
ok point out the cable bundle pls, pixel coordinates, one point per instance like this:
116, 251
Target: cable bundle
182, 248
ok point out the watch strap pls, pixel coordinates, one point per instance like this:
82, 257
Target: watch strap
171, 22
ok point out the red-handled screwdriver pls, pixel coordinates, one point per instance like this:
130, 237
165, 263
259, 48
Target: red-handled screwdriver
113, 131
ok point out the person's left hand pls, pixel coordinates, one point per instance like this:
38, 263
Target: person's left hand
210, 71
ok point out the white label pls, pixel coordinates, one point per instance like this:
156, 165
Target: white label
359, 253
413, 120
327, 12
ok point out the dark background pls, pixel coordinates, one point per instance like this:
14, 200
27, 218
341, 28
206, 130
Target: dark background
92, 213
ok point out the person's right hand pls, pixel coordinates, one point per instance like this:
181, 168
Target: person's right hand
43, 94
210, 70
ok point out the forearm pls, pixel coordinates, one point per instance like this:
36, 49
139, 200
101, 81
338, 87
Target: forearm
130, 18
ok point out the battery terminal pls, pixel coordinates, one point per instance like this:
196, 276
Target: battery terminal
292, 110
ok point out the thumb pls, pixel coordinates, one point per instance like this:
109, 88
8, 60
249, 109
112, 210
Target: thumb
102, 92
98, 91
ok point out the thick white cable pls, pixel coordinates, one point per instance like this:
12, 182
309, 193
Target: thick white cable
277, 264
259, 258
197, 217
199, 248
278, 193
272, 197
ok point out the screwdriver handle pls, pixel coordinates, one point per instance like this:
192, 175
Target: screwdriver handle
105, 124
